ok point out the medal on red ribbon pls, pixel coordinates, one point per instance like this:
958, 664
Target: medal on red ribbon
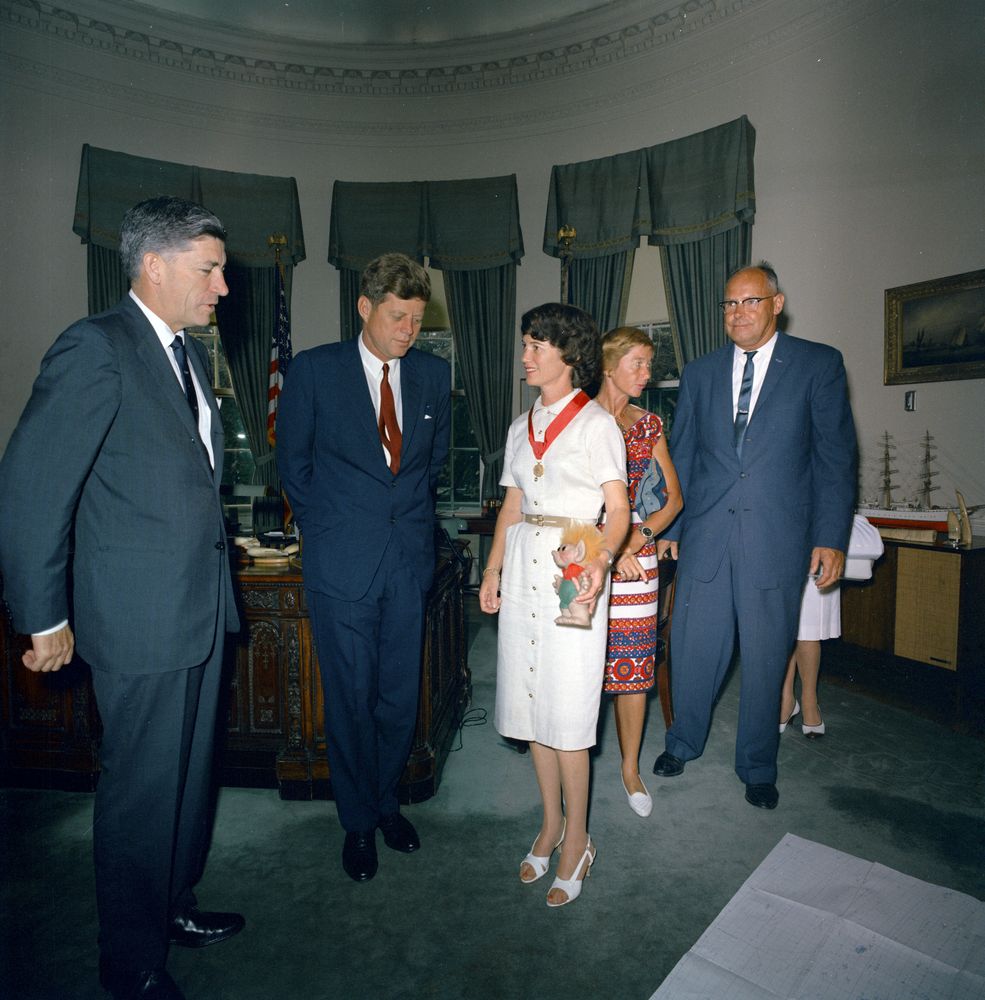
554, 429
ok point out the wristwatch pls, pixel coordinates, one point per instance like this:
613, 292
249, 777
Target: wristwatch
646, 532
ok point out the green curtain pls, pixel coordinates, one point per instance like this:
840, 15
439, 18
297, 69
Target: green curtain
482, 308
600, 286
466, 225
246, 317
252, 207
349, 322
470, 231
694, 278
693, 197
105, 278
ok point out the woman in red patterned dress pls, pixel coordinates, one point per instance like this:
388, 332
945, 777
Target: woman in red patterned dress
631, 650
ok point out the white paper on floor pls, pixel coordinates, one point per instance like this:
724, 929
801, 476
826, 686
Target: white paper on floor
813, 922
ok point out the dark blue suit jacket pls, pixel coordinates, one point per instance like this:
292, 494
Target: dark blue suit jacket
349, 505
794, 487
107, 453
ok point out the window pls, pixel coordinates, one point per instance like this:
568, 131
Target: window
238, 464
660, 396
458, 484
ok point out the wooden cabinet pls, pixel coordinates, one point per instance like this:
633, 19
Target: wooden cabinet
923, 613
274, 732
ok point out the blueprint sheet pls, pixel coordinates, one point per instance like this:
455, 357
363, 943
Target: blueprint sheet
813, 923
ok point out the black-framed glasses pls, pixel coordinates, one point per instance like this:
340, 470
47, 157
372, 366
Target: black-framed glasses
730, 305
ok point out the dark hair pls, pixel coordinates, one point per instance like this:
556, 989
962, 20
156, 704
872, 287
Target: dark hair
573, 332
766, 267
163, 225
396, 273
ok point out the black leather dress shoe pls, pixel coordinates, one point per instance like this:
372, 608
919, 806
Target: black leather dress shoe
668, 766
359, 855
399, 834
762, 796
149, 984
195, 928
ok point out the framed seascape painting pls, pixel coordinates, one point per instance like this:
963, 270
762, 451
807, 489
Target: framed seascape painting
935, 330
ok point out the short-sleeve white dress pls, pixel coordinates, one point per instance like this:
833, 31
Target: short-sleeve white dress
549, 677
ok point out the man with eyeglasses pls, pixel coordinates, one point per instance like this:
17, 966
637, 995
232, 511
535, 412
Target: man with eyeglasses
764, 444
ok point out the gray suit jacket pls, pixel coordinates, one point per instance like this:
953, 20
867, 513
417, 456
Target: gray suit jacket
794, 487
109, 503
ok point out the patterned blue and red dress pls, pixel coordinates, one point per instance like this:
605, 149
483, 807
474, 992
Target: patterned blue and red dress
632, 642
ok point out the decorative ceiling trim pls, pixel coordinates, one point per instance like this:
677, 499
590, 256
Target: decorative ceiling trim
374, 126
409, 79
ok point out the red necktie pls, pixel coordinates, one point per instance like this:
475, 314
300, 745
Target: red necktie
389, 428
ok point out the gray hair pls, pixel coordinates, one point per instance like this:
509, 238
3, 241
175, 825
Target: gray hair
766, 267
163, 225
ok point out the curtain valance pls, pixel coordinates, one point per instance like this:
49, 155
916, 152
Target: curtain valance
252, 206
463, 225
676, 192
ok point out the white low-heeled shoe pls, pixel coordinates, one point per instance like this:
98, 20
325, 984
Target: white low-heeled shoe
813, 732
640, 802
571, 887
790, 717
539, 863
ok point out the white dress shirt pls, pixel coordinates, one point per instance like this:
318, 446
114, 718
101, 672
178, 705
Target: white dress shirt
373, 368
165, 335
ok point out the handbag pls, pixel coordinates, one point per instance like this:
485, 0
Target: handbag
651, 494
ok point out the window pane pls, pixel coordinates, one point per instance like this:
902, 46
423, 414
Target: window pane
465, 474
238, 465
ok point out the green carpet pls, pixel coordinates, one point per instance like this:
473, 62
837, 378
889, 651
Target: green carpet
453, 922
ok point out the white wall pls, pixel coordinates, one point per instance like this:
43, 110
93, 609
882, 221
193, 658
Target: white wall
870, 170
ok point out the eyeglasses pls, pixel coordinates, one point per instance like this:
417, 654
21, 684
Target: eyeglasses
730, 305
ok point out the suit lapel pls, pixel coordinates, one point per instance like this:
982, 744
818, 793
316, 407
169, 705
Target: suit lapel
205, 381
410, 399
361, 402
779, 364
151, 353
724, 416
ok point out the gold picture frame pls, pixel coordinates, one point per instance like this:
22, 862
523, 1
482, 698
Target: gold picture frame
935, 330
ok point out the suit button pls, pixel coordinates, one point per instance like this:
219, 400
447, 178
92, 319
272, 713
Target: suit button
743, 475
220, 545
393, 520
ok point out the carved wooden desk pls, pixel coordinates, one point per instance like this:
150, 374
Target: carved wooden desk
274, 736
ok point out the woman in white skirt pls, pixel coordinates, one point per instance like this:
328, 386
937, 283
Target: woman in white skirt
563, 461
820, 618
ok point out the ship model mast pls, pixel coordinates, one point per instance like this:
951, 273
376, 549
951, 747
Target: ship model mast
887, 471
927, 484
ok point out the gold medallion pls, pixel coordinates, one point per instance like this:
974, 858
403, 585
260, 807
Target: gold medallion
538, 470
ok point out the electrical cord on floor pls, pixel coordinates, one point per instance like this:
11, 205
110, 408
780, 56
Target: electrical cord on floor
473, 717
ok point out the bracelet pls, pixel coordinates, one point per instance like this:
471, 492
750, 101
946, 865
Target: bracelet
612, 557
491, 569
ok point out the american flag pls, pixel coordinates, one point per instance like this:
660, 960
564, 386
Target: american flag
280, 358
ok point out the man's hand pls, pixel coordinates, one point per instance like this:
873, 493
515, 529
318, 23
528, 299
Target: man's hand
830, 562
664, 547
50, 652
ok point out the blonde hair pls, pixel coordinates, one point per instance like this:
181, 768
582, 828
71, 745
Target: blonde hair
619, 342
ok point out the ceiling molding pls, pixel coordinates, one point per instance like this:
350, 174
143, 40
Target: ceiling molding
400, 71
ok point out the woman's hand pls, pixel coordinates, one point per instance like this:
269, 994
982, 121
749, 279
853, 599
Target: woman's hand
592, 578
629, 567
489, 599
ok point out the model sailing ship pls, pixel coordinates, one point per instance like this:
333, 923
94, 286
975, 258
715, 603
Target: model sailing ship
891, 514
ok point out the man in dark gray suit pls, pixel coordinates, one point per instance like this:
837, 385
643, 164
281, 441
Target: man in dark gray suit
119, 451
764, 446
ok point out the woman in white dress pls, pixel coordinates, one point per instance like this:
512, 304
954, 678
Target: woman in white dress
563, 461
